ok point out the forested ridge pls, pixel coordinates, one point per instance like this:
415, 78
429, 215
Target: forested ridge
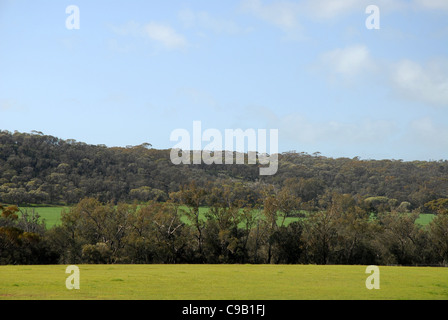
131, 205
37, 168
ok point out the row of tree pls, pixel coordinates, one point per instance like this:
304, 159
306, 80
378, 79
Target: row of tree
342, 230
37, 168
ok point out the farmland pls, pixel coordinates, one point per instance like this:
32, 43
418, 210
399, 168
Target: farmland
222, 282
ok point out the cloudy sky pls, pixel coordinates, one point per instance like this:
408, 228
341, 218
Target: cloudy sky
135, 71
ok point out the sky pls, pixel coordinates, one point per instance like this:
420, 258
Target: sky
135, 71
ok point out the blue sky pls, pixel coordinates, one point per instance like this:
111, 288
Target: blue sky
137, 70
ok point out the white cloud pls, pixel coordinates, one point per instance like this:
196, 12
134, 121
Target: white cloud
287, 14
332, 9
297, 128
427, 84
422, 138
115, 45
165, 35
347, 62
355, 133
204, 20
7, 104
325, 9
408, 79
131, 28
200, 98
428, 136
157, 32
282, 14
432, 4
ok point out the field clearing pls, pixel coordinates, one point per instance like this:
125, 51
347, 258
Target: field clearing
222, 282
425, 219
52, 215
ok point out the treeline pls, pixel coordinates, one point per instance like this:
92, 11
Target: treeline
37, 168
340, 230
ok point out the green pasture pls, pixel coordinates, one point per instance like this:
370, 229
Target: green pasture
222, 282
425, 219
52, 215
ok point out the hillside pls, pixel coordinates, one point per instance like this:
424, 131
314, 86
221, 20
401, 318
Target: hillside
129, 205
37, 168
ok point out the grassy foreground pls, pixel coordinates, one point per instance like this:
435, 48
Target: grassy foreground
222, 282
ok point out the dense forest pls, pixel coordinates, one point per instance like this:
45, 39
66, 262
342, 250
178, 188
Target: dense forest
127, 206
37, 168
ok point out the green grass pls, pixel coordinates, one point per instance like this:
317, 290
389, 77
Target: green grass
425, 219
222, 282
51, 214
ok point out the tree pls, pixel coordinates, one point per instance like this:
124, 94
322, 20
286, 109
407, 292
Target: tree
22, 239
270, 212
288, 243
9, 212
438, 235
378, 204
171, 234
321, 231
140, 244
193, 196
288, 204
439, 206
355, 232
224, 237
141, 194
96, 254
400, 237
93, 223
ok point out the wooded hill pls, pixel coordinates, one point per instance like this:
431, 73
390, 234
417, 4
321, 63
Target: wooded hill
37, 168
346, 211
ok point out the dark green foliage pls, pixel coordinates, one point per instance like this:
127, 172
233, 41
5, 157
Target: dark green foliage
22, 240
347, 211
343, 233
38, 168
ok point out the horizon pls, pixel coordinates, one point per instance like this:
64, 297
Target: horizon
134, 72
296, 152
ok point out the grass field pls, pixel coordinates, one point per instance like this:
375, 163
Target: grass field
425, 219
222, 282
52, 215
